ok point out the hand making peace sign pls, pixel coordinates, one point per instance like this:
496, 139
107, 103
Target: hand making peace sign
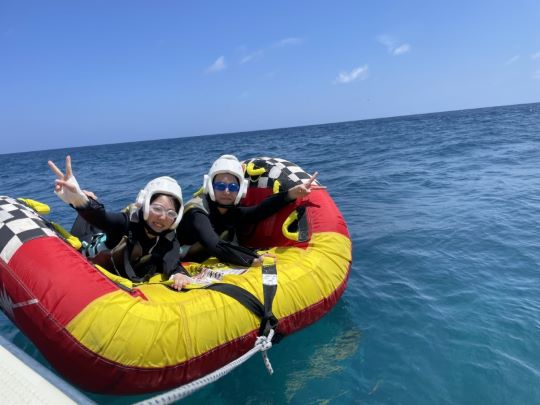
302, 190
63, 180
66, 186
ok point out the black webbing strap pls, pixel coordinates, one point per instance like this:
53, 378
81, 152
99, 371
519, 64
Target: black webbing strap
244, 297
242, 249
269, 321
128, 268
303, 228
252, 303
234, 250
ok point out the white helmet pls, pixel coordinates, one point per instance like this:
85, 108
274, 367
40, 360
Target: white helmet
226, 164
161, 185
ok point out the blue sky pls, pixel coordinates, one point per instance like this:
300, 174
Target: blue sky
76, 73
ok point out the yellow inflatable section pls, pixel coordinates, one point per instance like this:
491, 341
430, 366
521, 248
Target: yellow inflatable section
140, 330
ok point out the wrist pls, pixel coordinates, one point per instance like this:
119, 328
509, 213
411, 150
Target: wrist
79, 201
290, 197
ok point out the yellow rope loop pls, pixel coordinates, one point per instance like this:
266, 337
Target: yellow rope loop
252, 171
293, 216
277, 185
155, 279
71, 239
39, 207
199, 192
114, 278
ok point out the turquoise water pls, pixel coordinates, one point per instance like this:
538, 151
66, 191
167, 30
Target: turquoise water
443, 302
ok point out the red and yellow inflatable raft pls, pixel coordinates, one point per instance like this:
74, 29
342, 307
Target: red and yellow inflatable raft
107, 338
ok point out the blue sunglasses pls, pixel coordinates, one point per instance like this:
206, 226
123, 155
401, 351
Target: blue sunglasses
232, 187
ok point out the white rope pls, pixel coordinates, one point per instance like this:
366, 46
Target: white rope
262, 344
266, 343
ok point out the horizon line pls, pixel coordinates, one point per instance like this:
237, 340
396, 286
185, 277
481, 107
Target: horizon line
266, 129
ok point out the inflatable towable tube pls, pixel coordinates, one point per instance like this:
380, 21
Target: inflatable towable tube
107, 338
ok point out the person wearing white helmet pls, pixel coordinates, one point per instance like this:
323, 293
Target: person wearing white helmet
211, 219
139, 242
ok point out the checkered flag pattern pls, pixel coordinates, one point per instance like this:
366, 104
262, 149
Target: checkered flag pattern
288, 174
18, 224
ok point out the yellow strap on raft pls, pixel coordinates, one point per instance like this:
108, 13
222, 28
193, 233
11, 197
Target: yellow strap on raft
72, 240
155, 279
275, 189
114, 278
252, 172
269, 260
39, 207
293, 216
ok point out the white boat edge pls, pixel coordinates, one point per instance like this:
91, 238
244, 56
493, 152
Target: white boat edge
26, 381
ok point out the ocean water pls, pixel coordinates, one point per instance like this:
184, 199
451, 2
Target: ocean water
443, 301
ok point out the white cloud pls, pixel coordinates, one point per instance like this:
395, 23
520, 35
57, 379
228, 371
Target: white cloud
360, 72
400, 50
512, 60
252, 56
289, 41
218, 65
244, 56
249, 57
536, 75
393, 46
536, 55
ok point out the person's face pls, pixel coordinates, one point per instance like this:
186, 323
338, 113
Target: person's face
162, 213
225, 197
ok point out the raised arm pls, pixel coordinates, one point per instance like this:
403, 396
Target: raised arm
114, 224
301, 190
275, 202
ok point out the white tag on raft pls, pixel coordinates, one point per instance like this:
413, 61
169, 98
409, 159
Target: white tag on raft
209, 276
269, 279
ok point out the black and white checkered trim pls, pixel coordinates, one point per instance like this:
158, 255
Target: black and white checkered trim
18, 224
288, 174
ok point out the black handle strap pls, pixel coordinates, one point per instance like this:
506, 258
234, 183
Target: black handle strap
252, 303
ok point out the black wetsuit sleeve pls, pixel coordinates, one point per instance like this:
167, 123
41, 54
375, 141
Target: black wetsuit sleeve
114, 224
171, 260
267, 207
224, 251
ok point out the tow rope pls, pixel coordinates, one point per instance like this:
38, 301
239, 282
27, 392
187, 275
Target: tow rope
262, 344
